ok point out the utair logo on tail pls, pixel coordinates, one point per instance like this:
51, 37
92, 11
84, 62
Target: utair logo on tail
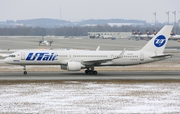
41, 56
160, 41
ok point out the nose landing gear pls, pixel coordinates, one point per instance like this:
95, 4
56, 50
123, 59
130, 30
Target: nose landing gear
25, 72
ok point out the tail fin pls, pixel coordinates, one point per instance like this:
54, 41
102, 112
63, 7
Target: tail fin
42, 38
154, 32
159, 41
147, 32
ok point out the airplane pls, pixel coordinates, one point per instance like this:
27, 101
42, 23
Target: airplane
95, 36
102, 36
107, 37
148, 35
174, 36
139, 35
44, 42
171, 37
75, 60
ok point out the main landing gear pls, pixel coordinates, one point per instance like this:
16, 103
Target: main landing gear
92, 71
25, 72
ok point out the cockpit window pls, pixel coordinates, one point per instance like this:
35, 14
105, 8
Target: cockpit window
12, 55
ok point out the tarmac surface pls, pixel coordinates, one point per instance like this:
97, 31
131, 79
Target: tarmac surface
20, 42
41, 76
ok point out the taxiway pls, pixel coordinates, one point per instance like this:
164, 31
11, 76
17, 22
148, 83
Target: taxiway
44, 76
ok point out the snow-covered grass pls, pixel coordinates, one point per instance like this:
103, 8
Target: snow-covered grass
90, 97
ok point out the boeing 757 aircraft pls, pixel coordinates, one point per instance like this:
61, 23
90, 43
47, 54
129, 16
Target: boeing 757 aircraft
75, 60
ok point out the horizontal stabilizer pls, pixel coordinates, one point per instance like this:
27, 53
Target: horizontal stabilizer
159, 56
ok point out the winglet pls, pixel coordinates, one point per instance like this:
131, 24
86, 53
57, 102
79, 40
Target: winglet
122, 53
97, 49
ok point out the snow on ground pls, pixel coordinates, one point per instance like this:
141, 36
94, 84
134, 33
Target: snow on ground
90, 97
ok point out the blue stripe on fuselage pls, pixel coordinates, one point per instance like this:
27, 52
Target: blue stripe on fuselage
41, 56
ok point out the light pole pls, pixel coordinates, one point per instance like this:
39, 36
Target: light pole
155, 21
174, 12
60, 13
168, 16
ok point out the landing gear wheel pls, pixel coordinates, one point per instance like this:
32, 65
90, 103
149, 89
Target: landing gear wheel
94, 72
25, 72
86, 71
90, 72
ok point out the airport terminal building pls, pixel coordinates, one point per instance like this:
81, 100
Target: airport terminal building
107, 35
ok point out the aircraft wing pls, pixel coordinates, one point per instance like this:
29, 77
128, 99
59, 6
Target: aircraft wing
102, 60
93, 62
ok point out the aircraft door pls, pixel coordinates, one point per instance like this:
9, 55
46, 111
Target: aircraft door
141, 56
112, 56
22, 55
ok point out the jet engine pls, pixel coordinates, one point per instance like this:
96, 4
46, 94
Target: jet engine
72, 66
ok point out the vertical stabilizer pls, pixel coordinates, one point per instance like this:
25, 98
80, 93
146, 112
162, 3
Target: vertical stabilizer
159, 41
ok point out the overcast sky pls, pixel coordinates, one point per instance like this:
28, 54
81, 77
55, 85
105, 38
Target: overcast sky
77, 10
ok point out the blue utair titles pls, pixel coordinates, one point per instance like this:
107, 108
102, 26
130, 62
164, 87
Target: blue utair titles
41, 56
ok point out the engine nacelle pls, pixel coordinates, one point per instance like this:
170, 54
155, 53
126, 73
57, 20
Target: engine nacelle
72, 66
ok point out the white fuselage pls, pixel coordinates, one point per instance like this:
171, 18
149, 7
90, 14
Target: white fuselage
98, 58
